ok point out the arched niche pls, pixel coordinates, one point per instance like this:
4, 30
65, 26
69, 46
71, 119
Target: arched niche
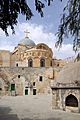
71, 101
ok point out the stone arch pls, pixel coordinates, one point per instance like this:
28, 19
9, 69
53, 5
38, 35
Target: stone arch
71, 101
42, 62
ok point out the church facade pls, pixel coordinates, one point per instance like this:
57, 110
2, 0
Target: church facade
28, 70
31, 69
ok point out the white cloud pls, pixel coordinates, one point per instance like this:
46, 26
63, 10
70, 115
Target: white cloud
38, 34
65, 51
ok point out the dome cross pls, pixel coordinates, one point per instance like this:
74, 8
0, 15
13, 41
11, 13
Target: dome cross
26, 34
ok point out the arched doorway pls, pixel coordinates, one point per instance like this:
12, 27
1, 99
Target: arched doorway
71, 101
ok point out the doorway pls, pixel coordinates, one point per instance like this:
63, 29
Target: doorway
26, 91
12, 87
71, 101
34, 91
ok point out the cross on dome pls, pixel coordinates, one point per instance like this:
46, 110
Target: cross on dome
26, 34
26, 41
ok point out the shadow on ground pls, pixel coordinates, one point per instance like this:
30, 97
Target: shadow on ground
5, 114
42, 119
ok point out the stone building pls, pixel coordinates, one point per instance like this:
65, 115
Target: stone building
28, 69
66, 88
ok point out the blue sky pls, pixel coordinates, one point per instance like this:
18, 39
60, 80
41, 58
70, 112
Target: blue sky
41, 30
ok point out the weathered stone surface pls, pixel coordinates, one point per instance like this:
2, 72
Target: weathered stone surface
67, 85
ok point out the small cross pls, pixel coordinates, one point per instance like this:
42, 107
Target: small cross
26, 33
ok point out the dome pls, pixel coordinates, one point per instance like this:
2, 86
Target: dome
26, 41
70, 73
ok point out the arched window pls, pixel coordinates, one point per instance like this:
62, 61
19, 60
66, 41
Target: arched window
71, 101
42, 62
30, 63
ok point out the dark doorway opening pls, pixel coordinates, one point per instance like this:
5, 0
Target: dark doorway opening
26, 92
40, 78
12, 87
71, 101
34, 91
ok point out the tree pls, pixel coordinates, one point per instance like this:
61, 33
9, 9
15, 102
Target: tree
10, 9
69, 23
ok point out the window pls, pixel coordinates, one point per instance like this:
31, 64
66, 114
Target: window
0, 88
33, 83
42, 62
12, 87
22, 68
40, 78
51, 63
18, 76
58, 64
26, 87
30, 63
16, 64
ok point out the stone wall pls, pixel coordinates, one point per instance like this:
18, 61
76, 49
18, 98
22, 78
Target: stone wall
19, 75
5, 58
60, 95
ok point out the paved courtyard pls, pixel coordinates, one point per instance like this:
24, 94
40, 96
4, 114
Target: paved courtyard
32, 108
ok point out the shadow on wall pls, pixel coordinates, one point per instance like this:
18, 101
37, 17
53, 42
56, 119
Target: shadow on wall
5, 114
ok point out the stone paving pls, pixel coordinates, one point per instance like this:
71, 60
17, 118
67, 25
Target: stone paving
30, 107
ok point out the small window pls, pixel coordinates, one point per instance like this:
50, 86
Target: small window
58, 65
40, 78
16, 64
26, 87
33, 83
22, 68
18, 76
0, 88
51, 63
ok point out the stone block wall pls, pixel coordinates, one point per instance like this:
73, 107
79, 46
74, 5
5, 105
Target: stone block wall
20, 75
